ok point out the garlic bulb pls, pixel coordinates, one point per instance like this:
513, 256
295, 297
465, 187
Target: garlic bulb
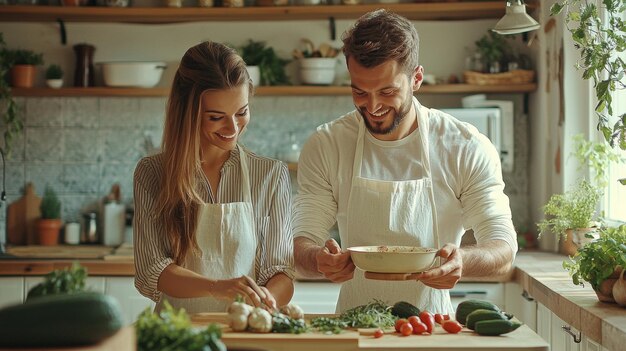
293, 311
260, 321
238, 313
619, 289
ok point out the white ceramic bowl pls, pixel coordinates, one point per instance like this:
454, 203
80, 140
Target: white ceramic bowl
132, 74
317, 70
392, 259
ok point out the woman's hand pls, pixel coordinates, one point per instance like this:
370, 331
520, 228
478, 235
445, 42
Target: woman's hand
245, 287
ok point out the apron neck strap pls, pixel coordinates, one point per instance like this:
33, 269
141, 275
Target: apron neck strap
245, 175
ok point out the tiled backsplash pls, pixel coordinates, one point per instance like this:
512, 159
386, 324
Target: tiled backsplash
82, 146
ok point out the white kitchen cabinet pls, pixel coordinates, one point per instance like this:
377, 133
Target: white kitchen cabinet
544, 322
587, 344
520, 304
132, 303
492, 292
11, 291
561, 340
550, 328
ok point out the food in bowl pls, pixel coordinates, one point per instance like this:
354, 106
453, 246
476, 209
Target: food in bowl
392, 259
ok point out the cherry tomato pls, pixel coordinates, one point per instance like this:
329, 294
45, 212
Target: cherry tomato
406, 329
451, 326
439, 318
428, 319
413, 319
379, 333
419, 327
399, 323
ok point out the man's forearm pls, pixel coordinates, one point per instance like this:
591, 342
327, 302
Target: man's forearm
304, 256
491, 258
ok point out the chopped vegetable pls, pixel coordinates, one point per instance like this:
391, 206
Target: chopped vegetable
375, 314
282, 323
61, 281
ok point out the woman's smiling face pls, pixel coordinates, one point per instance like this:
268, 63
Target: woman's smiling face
224, 115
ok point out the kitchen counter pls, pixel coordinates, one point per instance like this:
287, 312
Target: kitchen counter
539, 273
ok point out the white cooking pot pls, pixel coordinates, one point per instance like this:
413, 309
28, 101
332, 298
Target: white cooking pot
132, 74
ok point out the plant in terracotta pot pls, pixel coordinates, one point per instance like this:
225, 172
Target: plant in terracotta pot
600, 262
23, 69
54, 76
49, 225
572, 216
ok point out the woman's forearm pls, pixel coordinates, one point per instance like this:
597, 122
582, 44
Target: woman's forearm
176, 281
281, 287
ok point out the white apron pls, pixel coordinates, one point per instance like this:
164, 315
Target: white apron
226, 236
382, 212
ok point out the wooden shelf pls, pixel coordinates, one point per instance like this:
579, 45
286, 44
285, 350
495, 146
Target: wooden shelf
273, 90
415, 11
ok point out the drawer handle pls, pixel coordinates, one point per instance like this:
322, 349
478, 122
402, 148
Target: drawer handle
527, 296
568, 330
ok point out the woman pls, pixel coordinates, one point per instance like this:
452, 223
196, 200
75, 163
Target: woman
211, 219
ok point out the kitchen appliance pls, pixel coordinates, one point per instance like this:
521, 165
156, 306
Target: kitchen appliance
495, 123
132, 74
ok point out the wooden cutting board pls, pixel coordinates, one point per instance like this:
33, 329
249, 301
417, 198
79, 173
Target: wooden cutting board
22, 218
60, 251
522, 339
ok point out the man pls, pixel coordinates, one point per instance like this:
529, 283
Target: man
393, 172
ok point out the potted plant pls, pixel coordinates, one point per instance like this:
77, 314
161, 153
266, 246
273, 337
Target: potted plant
492, 49
23, 69
49, 225
600, 262
598, 40
572, 216
271, 68
54, 76
9, 109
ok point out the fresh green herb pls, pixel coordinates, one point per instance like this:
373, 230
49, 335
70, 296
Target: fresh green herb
61, 281
598, 156
272, 67
50, 204
171, 330
597, 260
10, 112
54, 72
282, 323
375, 314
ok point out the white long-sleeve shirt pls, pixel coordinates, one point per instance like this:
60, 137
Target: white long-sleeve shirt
271, 195
465, 166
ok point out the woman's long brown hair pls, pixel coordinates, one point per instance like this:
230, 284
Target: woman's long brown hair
205, 66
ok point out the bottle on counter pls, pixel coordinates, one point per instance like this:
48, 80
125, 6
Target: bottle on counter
113, 218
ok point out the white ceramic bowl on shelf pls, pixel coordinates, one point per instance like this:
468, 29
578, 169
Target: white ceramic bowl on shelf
317, 70
392, 259
132, 74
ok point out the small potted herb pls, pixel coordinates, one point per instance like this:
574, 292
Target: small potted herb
54, 76
600, 262
271, 68
49, 225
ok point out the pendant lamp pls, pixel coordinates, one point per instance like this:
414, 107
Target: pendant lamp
515, 20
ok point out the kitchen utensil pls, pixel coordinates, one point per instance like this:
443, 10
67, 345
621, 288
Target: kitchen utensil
22, 218
132, 74
392, 259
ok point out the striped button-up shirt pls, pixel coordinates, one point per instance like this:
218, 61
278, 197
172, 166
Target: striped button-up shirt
270, 192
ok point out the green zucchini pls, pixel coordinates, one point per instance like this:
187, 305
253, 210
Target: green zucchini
495, 327
483, 315
403, 309
469, 306
83, 318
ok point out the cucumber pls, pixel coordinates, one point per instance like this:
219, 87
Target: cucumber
469, 306
495, 327
83, 318
403, 309
483, 315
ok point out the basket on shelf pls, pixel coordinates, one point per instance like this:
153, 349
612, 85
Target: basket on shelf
518, 76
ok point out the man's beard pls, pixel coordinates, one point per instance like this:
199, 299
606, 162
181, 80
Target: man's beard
398, 116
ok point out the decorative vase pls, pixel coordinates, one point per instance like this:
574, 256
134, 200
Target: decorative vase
84, 72
54, 83
23, 76
255, 75
575, 239
619, 289
48, 231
